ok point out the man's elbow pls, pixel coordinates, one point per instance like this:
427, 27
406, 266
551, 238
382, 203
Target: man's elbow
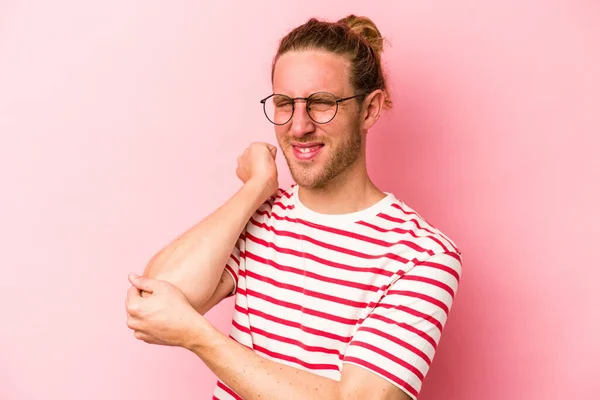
366, 392
358, 383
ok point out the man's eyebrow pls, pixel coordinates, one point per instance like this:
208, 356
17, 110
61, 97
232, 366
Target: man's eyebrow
323, 93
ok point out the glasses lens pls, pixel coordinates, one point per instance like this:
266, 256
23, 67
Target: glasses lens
279, 109
322, 107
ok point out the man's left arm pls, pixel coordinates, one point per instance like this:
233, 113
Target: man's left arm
254, 377
387, 358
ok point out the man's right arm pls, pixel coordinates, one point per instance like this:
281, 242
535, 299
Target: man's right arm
195, 261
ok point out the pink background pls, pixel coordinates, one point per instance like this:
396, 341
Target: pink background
121, 121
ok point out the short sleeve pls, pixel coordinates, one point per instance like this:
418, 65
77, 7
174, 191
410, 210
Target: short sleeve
236, 258
399, 338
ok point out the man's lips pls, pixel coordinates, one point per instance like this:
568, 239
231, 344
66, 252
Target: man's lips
306, 151
307, 145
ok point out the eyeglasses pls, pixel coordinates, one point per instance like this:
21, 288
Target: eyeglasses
321, 107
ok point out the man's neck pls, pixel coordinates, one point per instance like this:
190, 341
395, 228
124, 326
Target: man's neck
341, 195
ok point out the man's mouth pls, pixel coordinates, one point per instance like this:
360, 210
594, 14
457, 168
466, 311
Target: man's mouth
306, 151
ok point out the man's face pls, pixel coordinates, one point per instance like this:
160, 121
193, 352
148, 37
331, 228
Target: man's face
316, 153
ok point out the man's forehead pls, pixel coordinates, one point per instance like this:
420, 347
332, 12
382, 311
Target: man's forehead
298, 74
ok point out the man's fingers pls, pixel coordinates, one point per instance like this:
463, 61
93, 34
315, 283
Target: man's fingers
132, 294
272, 149
143, 283
132, 303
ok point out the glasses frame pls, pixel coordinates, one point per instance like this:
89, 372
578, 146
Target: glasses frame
338, 100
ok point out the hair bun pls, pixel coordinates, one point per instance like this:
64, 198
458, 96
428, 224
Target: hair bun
366, 29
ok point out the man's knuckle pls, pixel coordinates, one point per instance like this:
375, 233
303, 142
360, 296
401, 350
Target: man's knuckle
133, 308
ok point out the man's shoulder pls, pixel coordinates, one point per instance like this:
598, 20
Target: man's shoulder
401, 220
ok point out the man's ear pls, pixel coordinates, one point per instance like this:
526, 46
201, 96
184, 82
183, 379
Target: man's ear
371, 108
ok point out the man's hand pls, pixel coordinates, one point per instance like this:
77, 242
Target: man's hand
257, 165
163, 315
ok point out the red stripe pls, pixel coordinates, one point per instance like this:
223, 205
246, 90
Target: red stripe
283, 206
305, 310
284, 192
228, 268
283, 339
281, 321
443, 267
440, 243
402, 221
278, 196
328, 246
229, 391
399, 207
235, 339
421, 296
407, 231
295, 360
389, 356
313, 275
240, 327
407, 327
345, 233
411, 311
385, 373
282, 250
396, 205
394, 339
395, 230
240, 308
430, 281
312, 293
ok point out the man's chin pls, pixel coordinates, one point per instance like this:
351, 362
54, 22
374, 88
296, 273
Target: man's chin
308, 179
304, 178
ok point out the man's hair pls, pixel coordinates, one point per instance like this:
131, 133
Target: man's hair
354, 37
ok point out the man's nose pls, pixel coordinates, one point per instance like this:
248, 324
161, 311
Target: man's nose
301, 122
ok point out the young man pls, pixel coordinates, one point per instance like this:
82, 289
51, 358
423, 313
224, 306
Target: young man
341, 290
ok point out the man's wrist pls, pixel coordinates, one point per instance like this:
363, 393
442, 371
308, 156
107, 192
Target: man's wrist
258, 190
203, 336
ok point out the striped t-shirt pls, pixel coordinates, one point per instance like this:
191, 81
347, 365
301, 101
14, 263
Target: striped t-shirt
371, 288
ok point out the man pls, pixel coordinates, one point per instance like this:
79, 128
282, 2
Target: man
341, 290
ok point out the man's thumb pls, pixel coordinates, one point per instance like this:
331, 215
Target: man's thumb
142, 283
273, 150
